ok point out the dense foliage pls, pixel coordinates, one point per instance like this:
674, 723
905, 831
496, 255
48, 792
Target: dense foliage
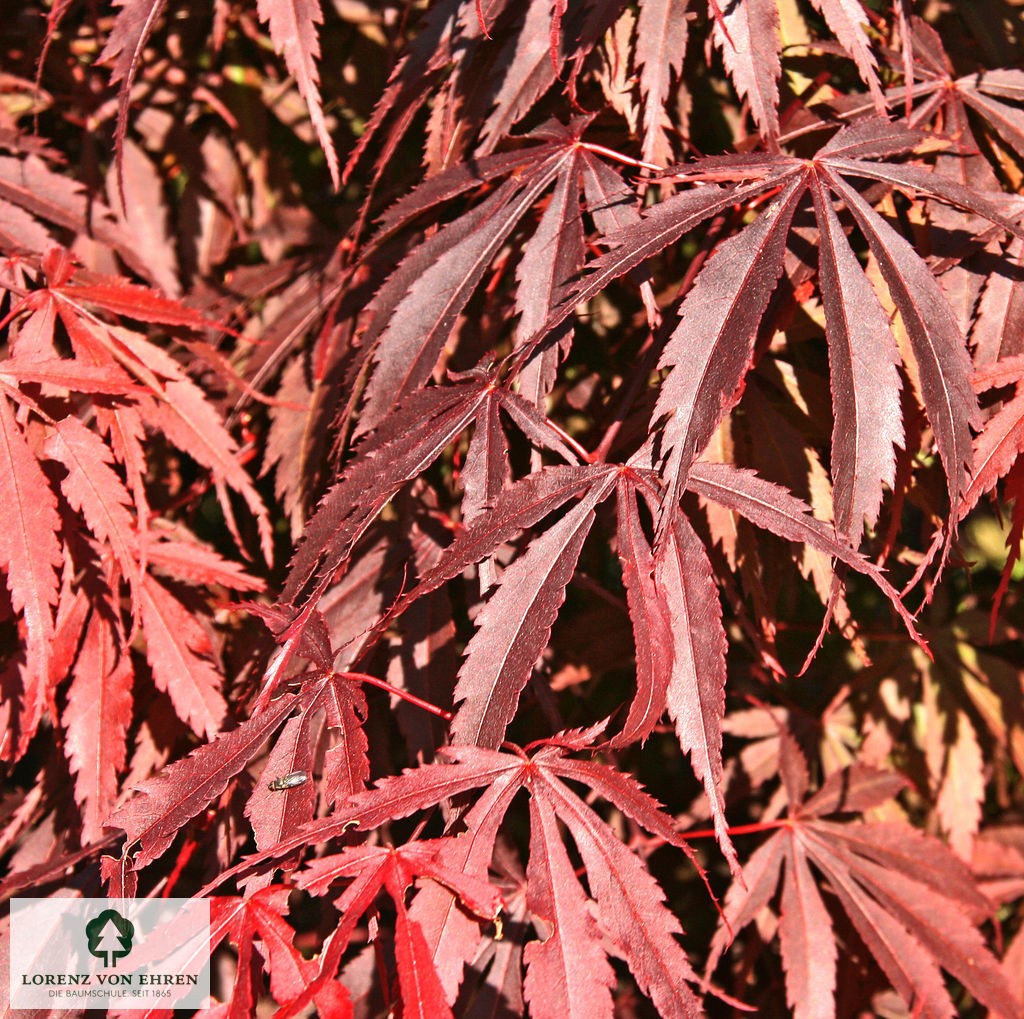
488, 486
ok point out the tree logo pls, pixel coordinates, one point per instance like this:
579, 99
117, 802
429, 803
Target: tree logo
110, 936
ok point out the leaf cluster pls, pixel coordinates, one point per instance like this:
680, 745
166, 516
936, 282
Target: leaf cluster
521, 503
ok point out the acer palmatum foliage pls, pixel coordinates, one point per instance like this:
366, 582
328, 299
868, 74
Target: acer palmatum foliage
489, 490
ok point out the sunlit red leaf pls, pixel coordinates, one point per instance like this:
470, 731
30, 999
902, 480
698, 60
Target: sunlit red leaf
567, 972
29, 551
93, 488
180, 654
97, 718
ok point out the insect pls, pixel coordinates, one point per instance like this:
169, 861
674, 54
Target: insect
296, 778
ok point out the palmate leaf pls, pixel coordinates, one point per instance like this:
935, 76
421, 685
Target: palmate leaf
673, 603
695, 400
337, 703
433, 286
373, 869
910, 899
414, 312
177, 406
937, 90
631, 911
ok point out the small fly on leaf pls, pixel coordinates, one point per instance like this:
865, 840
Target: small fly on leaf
296, 778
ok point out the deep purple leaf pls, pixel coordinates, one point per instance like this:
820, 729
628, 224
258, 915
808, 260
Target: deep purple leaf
661, 225
550, 265
610, 201
918, 180
847, 19
457, 180
486, 467
412, 439
661, 32
518, 507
